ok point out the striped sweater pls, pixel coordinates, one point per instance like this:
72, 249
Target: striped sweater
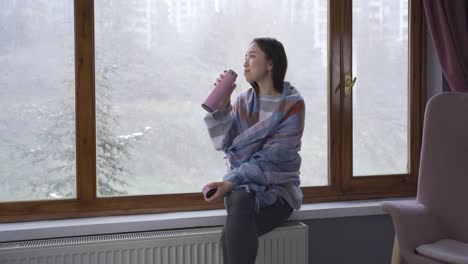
262, 155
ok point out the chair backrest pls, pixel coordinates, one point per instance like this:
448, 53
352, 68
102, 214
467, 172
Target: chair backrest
443, 173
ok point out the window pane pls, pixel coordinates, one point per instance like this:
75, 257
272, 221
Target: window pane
156, 61
37, 103
380, 96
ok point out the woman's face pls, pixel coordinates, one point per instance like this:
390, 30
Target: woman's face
256, 65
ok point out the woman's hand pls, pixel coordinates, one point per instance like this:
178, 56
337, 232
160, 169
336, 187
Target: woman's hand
222, 188
225, 101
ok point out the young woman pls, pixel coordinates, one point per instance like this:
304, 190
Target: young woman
261, 136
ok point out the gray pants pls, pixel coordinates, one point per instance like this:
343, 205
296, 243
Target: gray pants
239, 238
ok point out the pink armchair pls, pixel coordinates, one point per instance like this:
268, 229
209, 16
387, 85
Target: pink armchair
434, 228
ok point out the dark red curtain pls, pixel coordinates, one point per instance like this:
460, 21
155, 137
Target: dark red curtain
448, 24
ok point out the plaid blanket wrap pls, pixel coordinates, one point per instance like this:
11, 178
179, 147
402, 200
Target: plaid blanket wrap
262, 156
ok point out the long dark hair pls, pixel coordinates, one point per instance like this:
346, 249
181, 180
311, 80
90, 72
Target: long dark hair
274, 51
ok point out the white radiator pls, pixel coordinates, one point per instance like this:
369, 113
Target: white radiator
287, 244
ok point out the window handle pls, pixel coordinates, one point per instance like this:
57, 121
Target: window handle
349, 84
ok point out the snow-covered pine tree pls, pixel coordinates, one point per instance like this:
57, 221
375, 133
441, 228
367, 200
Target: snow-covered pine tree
54, 158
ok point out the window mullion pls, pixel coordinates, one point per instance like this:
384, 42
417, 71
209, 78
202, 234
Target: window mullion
346, 101
85, 102
334, 103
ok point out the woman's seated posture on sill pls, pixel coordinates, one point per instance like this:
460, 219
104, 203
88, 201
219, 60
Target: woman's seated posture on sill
261, 137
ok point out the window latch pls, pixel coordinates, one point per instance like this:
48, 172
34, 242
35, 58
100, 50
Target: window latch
349, 84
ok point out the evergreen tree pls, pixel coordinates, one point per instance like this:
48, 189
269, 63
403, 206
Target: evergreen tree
55, 156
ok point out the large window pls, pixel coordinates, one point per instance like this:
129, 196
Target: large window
156, 62
37, 102
380, 97
144, 67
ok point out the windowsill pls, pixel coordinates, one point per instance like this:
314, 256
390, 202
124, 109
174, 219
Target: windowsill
136, 223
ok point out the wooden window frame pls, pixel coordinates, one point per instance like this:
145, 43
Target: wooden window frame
342, 185
381, 185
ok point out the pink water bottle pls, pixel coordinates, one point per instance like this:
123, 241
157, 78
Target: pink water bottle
223, 88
